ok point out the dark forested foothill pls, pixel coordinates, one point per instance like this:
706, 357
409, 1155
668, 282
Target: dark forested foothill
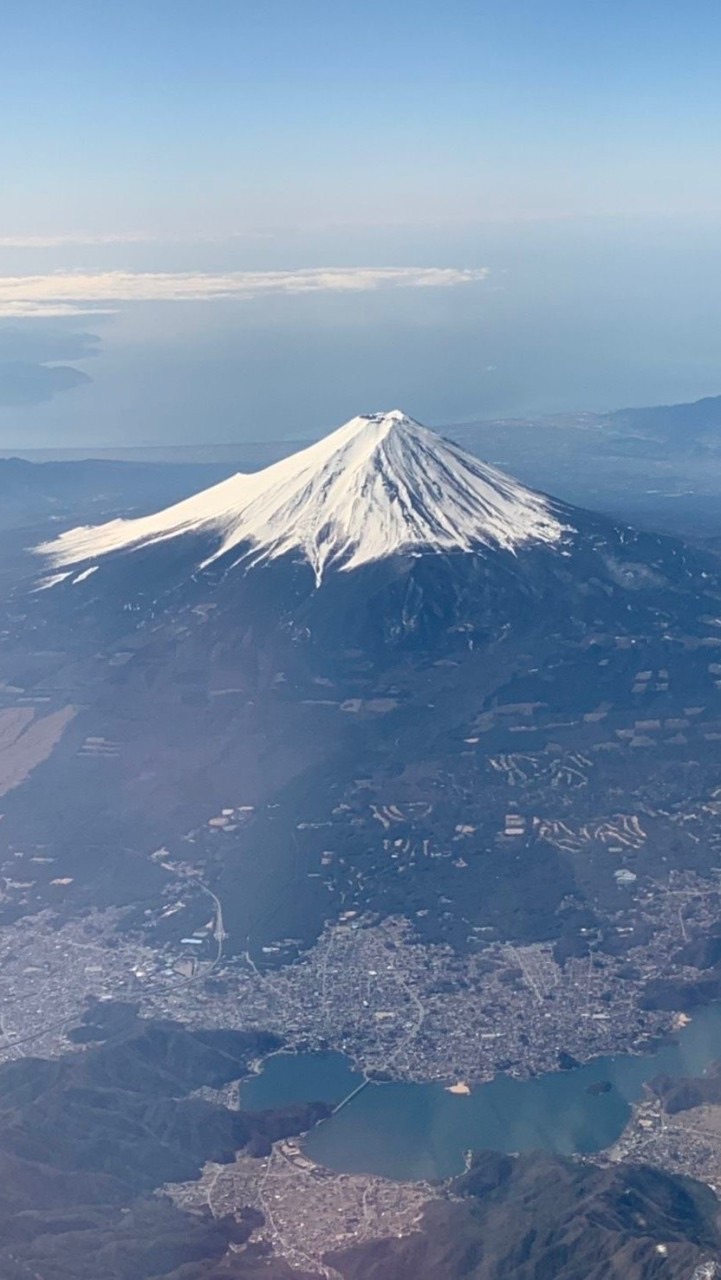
85, 1139
538, 1216
687, 1092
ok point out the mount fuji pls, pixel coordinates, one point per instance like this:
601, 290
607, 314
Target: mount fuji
381, 485
382, 534
378, 616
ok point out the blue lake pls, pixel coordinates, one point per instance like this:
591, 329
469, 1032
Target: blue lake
416, 1131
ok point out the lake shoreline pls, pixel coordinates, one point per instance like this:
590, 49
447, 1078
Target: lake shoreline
421, 1132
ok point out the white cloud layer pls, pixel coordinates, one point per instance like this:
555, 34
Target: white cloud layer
79, 293
59, 241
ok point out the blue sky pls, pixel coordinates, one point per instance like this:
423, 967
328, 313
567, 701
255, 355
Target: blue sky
170, 116
544, 172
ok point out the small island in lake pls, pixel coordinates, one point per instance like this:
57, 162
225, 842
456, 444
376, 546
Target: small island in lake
598, 1087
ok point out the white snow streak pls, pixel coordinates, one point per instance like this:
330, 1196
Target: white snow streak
86, 573
45, 583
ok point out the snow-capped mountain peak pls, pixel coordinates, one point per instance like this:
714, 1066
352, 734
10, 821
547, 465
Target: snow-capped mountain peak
378, 486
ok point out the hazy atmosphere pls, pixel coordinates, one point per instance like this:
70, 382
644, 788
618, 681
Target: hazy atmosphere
360, 640
283, 215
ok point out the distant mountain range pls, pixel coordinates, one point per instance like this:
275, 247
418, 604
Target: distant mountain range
88, 488
694, 426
